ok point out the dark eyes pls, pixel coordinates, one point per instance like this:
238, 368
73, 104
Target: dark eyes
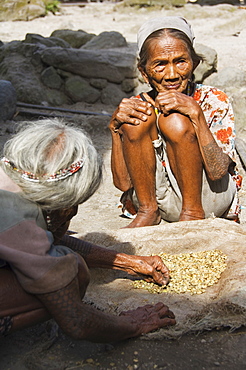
161, 65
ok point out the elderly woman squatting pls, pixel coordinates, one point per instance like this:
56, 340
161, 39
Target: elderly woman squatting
168, 156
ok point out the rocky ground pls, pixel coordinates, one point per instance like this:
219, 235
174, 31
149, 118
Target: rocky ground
221, 27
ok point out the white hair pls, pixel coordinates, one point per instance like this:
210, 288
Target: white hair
47, 147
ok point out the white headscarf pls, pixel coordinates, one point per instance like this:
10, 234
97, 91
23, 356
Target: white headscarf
155, 24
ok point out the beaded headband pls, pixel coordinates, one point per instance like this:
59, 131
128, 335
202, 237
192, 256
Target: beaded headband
59, 175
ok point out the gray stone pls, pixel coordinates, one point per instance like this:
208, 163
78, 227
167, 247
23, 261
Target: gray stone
17, 69
64, 74
106, 40
21, 10
33, 38
51, 78
208, 66
129, 84
78, 89
57, 97
7, 100
60, 42
98, 83
19, 47
113, 66
74, 38
112, 95
228, 77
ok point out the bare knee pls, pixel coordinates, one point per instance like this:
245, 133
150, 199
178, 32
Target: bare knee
176, 127
135, 133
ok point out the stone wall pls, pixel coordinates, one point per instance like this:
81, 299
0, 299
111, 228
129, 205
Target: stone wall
75, 66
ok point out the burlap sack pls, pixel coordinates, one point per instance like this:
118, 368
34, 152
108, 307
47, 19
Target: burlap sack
222, 305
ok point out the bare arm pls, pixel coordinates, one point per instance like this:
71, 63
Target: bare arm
83, 321
149, 268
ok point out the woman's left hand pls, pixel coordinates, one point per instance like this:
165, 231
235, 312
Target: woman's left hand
151, 269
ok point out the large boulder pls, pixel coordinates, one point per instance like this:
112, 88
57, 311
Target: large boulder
7, 100
21, 10
114, 66
75, 39
106, 40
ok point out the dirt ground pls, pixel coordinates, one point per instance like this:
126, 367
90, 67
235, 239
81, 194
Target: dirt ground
45, 347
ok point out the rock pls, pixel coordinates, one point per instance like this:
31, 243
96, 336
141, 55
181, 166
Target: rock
129, 84
238, 98
56, 97
51, 78
79, 89
21, 10
98, 83
17, 67
60, 42
7, 100
228, 77
75, 39
112, 95
106, 40
113, 66
208, 66
32, 38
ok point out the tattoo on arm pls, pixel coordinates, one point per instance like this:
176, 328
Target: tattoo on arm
216, 162
80, 246
80, 320
66, 308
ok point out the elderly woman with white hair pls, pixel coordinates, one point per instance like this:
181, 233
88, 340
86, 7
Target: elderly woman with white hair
173, 151
48, 169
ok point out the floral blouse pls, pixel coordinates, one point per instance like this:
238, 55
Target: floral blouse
219, 116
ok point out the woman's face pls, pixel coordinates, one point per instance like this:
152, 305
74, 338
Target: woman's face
169, 65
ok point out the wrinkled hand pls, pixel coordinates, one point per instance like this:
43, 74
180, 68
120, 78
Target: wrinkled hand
149, 318
132, 111
170, 101
151, 269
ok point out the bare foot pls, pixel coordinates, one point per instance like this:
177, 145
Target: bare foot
145, 218
186, 215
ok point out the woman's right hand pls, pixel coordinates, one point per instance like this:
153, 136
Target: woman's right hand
132, 111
